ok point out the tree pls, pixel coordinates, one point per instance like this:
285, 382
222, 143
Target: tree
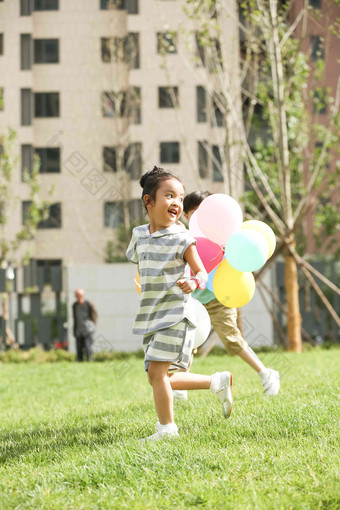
124, 160
13, 242
274, 75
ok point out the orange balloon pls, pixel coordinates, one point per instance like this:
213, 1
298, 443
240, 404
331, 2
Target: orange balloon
137, 283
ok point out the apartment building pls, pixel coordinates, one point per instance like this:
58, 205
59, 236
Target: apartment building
103, 90
320, 41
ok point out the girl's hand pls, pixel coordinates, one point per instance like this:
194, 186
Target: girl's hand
187, 285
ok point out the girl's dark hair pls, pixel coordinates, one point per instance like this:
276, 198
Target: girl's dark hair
194, 199
151, 181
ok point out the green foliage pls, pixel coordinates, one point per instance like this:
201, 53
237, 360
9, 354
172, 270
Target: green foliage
52, 314
310, 144
35, 355
102, 356
115, 250
38, 208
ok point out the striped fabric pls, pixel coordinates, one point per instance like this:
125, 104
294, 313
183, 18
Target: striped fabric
174, 344
160, 260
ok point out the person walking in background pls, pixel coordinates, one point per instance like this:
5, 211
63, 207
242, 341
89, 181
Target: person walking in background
84, 325
224, 320
166, 318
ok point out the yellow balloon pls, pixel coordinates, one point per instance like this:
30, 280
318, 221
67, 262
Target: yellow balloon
265, 230
137, 283
231, 287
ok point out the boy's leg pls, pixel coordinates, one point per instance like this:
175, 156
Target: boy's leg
249, 356
224, 321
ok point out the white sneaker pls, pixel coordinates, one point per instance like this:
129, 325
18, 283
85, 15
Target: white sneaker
180, 394
163, 431
221, 385
271, 382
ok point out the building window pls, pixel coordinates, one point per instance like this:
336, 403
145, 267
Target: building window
45, 269
315, 3
2, 101
46, 5
26, 159
26, 7
167, 97
113, 104
203, 159
49, 159
131, 163
132, 50
169, 152
320, 101
130, 5
26, 107
121, 49
109, 158
54, 217
217, 164
136, 210
123, 104
133, 160
46, 51
107, 48
317, 49
113, 214
166, 42
218, 120
52, 221
201, 101
25, 211
1, 44
133, 105
46, 104
26, 52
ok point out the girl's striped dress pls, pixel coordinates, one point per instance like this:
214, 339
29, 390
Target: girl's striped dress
166, 316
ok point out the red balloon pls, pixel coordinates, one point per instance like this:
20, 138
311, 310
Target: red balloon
210, 253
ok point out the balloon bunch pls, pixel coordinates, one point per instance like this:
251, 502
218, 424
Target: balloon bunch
229, 248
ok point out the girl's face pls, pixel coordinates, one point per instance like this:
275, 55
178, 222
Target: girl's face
166, 209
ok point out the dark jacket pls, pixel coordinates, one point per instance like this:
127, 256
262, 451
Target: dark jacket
92, 313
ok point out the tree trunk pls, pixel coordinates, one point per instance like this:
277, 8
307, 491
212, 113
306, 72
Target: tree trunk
10, 339
293, 306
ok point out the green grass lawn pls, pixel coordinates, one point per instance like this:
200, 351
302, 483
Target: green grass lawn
69, 438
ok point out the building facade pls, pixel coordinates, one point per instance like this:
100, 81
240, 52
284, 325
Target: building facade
102, 91
318, 32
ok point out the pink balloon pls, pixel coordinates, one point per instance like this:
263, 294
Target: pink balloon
210, 253
219, 216
194, 229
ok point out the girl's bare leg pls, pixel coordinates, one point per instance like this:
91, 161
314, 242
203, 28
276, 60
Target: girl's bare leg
188, 381
162, 391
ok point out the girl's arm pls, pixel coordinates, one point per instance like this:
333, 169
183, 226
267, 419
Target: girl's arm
193, 259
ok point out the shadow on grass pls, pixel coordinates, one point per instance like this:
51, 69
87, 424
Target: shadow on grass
51, 441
